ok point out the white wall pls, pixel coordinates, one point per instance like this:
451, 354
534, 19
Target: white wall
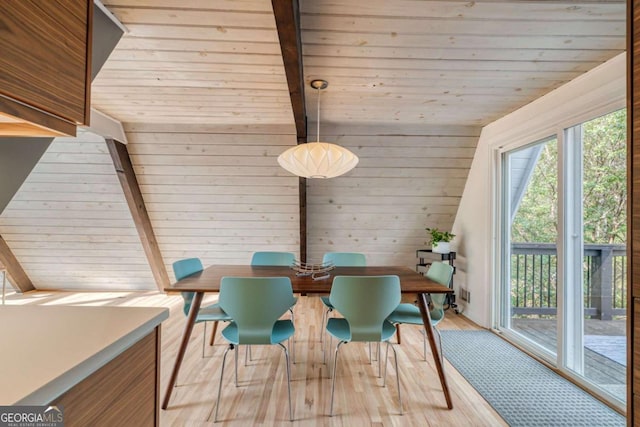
600, 90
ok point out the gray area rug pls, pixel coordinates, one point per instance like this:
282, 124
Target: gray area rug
522, 390
613, 347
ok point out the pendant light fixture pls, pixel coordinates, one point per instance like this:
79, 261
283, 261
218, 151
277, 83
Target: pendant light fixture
318, 159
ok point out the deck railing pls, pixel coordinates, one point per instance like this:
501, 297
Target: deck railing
534, 272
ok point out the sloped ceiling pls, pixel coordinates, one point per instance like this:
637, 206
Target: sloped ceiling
195, 62
201, 89
451, 62
395, 63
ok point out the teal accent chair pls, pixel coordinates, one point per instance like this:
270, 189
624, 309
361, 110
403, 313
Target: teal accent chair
267, 258
256, 305
272, 258
410, 313
339, 259
365, 302
345, 259
211, 313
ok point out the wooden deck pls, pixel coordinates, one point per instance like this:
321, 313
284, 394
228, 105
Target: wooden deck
598, 368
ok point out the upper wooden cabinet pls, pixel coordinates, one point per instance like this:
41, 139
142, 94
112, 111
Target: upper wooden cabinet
45, 66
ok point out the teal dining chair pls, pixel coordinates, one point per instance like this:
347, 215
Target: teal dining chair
256, 305
339, 259
272, 258
410, 313
266, 258
211, 313
365, 302
345, 259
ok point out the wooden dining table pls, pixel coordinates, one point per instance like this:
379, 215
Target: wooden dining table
208, 280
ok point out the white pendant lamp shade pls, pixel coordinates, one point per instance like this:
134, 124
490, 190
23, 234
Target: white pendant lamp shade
318, 159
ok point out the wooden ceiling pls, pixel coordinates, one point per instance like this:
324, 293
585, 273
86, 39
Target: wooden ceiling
195, 61
387, 63
451, 62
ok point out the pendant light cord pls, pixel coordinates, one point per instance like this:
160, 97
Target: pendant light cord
318, 133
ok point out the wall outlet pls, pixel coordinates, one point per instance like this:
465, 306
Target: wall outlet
465, 295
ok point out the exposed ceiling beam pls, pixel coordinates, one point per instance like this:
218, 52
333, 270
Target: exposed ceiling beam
287, 14
129, 182
17, 275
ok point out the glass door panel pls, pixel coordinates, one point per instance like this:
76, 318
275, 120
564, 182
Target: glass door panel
600, 338
530, 185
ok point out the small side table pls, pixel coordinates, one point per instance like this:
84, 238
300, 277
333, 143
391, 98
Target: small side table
423, 256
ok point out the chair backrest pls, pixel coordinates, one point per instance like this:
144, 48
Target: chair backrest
181, 269
254, 304
345, 259
272, 258
366, 302
442, 273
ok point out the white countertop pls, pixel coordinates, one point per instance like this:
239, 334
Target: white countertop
46, 350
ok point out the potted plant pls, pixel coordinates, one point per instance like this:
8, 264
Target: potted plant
440, 240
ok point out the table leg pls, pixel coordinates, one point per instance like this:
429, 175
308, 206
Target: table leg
191, 320
435, 351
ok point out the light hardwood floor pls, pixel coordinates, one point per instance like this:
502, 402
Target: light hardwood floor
261, 398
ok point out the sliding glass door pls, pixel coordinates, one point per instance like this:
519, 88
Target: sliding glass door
563, 251
529, 248
596, 305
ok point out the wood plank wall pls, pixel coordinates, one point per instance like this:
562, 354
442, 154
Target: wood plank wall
403, 183
69, 225
216, 193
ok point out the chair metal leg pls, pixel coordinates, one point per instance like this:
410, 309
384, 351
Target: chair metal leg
395, 356
333, 383
293, 350
286, 356
323, 356
371, 354
323, 332
386, 362
379, 361
224, 358
236, 362
384, 381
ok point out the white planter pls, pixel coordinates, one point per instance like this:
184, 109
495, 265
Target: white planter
441, 247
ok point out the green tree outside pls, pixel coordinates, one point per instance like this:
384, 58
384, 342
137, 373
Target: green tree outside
604, 208
604, 180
